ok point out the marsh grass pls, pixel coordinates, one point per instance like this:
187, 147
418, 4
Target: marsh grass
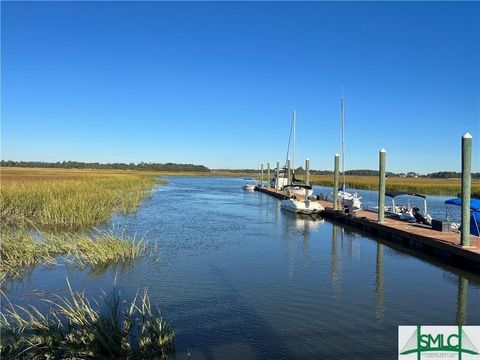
74, 327
414, 185
69, 200
24, 249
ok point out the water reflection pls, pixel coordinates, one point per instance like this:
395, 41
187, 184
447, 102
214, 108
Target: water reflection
462, 300
379, 305
335, 269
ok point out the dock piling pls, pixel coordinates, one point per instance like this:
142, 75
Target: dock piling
261, 174
381, 186
277, 185
335, 181
268, 174
466, 188
307, 171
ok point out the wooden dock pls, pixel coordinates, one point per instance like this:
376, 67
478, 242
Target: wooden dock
442, 245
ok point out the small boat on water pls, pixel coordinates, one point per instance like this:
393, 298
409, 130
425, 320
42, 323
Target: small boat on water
298, 206
306, 207
474, 214
249, 184
297, 188
406, 212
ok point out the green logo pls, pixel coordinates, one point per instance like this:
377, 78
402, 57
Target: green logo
439, 342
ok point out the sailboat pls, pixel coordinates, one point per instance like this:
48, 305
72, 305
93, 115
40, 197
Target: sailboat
296, 186
349, 200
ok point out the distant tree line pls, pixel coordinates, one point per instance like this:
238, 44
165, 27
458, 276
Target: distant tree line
366, 172
449, 175
115, 166
173, 167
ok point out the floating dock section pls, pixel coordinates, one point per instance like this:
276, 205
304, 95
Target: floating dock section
443, 245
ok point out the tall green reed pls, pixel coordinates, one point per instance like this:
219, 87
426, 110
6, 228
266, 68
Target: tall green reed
74, 327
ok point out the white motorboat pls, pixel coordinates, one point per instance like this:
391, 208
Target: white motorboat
298, 189
249, 185
307, 207
405, 212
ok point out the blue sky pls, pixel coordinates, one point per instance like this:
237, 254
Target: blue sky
215, 83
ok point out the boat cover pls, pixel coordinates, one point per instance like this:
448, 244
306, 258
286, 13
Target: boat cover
474, 215
393, 194
474, 203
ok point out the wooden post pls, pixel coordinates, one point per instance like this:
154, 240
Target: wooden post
268, 174
335, 181
466, 188
381, 186
277, 184
307, 172
261, 176
289, 174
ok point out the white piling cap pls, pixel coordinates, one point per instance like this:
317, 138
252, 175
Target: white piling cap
383, 150
307, 159
337, 154
467, 135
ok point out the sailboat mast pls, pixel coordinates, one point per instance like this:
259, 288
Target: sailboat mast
294, 127
343, 139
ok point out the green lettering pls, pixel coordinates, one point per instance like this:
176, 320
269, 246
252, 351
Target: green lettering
424, 342
449, 341
433, 340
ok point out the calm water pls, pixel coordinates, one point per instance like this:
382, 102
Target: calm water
241, 279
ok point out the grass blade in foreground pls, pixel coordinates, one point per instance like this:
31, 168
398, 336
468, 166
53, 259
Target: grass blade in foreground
23, 249
73, 328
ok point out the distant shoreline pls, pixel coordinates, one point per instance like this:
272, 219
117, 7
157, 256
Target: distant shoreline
427, 186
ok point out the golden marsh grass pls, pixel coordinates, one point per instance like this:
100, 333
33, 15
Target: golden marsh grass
414, 185
69, 199
22, 249
36, 201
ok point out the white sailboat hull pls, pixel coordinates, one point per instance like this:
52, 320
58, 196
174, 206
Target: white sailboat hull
301, 207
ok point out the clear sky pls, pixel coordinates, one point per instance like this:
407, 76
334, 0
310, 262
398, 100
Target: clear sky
215, 83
